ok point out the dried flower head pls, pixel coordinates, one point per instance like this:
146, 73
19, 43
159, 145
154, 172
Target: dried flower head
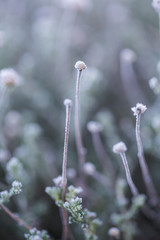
68, 102
156, 5
128, 55
9, 77
139, 108
114, 232
94, 127
119, 148
80, 65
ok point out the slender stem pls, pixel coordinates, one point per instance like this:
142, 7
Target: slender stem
64, 166
64, 214
101, 153
79, 144
159, 21
128, 175
144, 168
15, 217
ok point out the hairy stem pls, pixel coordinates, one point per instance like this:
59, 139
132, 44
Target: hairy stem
64, 214
128, 175
15, 217
153, 197
79, 144
64, 166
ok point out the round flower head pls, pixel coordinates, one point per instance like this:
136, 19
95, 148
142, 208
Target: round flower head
139, 108
89, 168
9, 77
119, 148
94, 127
153, 82
80, 65
114, 232
156, 5
68, 102
128, 55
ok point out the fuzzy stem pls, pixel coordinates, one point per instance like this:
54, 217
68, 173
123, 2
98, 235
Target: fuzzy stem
64, 167
153, 197
79, 144
159, 22
64, 214
128, 175
15, 217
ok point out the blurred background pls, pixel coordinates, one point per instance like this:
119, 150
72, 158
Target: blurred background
42, 39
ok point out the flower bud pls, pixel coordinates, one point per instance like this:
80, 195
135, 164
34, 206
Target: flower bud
9, 77
80, 65
119, 148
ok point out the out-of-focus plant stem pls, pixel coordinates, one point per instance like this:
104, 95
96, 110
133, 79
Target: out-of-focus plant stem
153, 197
15, 217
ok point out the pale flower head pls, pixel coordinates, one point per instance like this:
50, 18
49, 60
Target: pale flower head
114, 232
94, 127
156, 5
153, 82
80, 65
9, 77
119, 148
139, 108
68, 102
89, 168
128, 55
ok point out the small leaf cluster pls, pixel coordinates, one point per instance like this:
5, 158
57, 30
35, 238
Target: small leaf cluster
35, 234
73, 204
125, 221
137, 203
6, 195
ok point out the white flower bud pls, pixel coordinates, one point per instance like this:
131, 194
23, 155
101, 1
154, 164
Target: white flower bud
114, 232
89, 168
156, 5
80, 65
16, 187
119, 148
139, 108
9, 77
66, 205
94, 127
68, 102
